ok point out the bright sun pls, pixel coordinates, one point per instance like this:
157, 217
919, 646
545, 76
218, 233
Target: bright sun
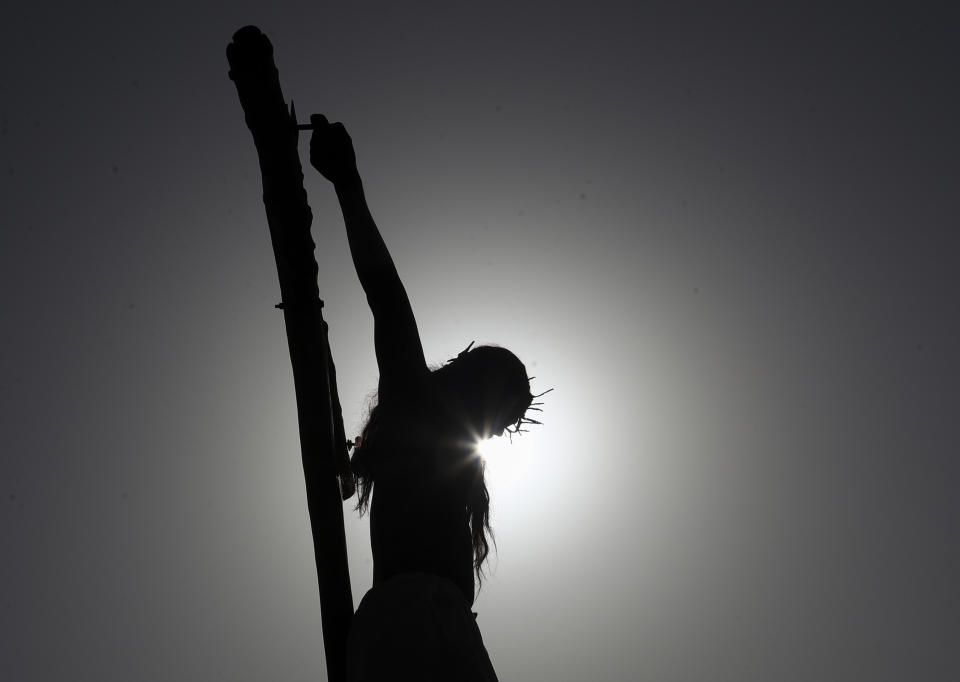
505, 461
494, 448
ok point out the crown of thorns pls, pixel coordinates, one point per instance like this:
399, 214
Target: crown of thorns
524, 420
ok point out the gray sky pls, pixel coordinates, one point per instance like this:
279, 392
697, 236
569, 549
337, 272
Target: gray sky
726, 235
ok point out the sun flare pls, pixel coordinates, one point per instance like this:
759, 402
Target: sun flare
494, 449
505, 462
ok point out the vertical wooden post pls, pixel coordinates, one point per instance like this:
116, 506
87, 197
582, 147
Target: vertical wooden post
323, 447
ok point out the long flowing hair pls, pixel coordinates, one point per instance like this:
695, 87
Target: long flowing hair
466, 376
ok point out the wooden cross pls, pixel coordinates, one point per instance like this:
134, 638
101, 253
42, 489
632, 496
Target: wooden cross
322, 441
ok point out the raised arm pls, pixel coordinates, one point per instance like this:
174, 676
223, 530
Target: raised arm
396, 338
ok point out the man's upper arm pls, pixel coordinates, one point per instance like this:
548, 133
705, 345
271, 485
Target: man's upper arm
395, 334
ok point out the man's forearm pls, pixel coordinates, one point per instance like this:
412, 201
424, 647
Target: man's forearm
371, 258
